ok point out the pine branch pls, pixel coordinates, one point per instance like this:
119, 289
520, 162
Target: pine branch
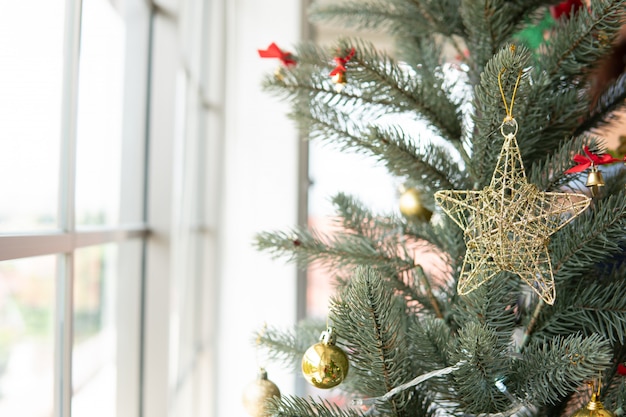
413, 90
492, 305
354, 216
288, 347
378, 86
289, 406
430, 165
548, 173
336, 251
590, 309
372, 320
579, 43
485, 362
487, 139
490, 24
331, 125
611, 101
391, 147
548, 371
614, 398
438, 235
593, 238
549, 118
431, 342
398, 17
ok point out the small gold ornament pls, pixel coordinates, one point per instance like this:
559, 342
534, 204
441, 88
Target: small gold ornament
279, 73
594, 180
411, 205
594, 408
256, 394
340, 81
324, 365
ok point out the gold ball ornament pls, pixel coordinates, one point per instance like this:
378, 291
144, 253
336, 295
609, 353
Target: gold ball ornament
257, 393
593, 409
411, 205
324, 365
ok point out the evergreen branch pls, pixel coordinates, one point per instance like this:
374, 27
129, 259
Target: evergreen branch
432, 300
486, 141
399, 17
396, 151
288, 347
389, 146
614, 398
578, 43
612, 100
590, 309
414, 90
431, 342
354, 216
594, 237
550, 370
431, 165
371, 319
548, 174
491, 305
290, 406
490, 24
333, 126
378, 86
437, 235
337, 251
484, 363
549, 119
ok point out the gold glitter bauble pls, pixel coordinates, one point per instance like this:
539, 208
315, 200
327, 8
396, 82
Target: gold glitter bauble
256, 394
324, 365
593, 409
411, 205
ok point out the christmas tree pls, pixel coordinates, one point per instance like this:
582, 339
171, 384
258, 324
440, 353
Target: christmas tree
501, 289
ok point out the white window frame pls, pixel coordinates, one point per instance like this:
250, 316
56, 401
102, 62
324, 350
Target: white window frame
247, 149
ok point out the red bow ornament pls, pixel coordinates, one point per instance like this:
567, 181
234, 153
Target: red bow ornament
565, 8
589, 159
273, 51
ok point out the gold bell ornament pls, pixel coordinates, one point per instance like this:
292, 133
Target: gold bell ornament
257, 393
594, 408
338, 74
411, 205
594, 180
340, 81
325, 365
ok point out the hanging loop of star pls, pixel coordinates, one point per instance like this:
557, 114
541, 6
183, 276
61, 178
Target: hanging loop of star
508, 223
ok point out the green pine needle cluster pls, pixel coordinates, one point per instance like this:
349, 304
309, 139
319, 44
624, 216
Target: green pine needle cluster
398, 317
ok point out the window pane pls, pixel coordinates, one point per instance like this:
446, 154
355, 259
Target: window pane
31, 52
99, 126
27, 295
93, 361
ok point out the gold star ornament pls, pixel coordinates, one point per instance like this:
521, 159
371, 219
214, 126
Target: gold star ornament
507, 225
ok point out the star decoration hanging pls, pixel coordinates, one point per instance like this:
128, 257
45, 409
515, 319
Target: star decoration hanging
507, 225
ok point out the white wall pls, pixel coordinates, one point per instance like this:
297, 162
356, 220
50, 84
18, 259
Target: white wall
259, 192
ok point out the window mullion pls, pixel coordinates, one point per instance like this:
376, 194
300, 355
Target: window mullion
67, 181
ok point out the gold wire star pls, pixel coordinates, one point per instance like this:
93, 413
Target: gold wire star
507, 225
